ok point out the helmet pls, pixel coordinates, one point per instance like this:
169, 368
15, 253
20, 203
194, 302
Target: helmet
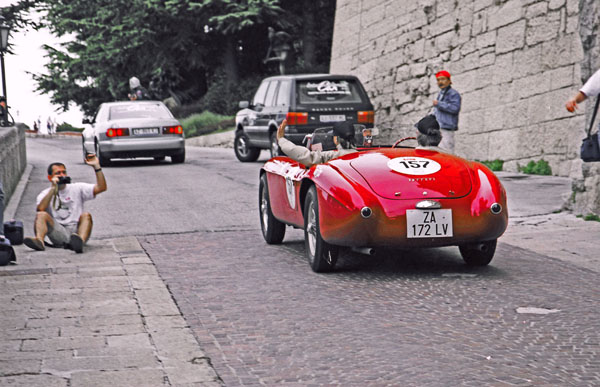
134, 83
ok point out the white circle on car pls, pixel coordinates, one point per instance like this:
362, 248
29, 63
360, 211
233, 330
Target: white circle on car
414, 165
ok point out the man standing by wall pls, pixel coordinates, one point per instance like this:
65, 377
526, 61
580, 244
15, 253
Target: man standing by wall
446, 108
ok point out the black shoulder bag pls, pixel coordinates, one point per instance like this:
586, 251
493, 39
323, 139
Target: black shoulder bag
590, 149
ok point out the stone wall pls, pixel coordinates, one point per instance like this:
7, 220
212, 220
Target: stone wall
13, 158
515, 63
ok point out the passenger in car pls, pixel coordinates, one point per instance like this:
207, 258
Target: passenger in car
428, 134
343, 137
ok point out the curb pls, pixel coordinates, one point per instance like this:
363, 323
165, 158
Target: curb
224, 139
11, 207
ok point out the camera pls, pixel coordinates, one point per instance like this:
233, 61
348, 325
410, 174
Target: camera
64, 180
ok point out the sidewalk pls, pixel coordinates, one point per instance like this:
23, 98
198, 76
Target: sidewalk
102, 318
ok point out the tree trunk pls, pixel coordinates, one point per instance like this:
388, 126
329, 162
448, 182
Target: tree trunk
230, 61
308, 35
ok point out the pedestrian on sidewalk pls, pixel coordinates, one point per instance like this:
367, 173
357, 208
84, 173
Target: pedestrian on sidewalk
60, 213
589, 89
446, 108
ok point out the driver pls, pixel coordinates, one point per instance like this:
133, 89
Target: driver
343, 137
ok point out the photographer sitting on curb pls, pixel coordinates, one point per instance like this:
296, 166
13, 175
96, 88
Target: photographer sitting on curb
343, 137
429, 135
60, 209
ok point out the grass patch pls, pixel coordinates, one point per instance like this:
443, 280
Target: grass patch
540, 167
592, 217
205, 123
65, 127
494, 165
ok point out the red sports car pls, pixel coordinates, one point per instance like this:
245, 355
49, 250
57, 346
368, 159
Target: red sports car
384, 196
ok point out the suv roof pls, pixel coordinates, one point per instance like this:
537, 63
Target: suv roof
310, 76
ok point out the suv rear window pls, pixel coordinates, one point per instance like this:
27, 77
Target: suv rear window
328, 91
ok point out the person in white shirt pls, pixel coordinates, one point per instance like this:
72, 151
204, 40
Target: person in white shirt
590, 88
60, 213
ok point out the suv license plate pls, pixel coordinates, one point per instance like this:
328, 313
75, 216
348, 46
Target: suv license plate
142, 131
428, 223
332, 118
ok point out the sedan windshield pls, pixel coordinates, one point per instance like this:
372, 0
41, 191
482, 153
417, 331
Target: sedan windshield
137, 110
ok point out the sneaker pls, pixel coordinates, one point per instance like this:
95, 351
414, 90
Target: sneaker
76, 243
34, 243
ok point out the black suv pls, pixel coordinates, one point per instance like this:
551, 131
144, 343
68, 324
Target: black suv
307, 102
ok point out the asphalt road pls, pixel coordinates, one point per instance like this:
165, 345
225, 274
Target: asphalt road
418, 317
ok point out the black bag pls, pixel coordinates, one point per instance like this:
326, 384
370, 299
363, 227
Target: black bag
7, 254
13, 230
590, 149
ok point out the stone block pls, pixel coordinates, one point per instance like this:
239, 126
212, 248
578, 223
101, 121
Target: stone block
134, 377
511, 37
548, 106
444, 42
372, 15
135, 340
572, 7
503, 144
486, 39
531, 85
471, 146
503, 69
536, 9
542, 28
481, 4
556, 4
508, 13
515, 115
564, 50
493, 118
562, 77
63, 343
527, 61
26, 380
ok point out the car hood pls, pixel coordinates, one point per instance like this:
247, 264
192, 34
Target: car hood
413, 173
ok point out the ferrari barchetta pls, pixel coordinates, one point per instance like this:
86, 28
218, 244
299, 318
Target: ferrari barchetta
390, 196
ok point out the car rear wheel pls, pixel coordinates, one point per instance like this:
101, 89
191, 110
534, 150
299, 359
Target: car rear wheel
478, 254
178, 158
243, 151
273, 230
274, 145
322, 256
104, 161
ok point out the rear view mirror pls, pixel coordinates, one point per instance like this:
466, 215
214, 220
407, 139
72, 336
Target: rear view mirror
244, 104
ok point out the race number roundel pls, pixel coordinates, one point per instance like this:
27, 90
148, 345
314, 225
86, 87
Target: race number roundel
414, 165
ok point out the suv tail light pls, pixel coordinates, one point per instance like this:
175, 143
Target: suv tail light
366, 117
297, 118
117, 132
177, 129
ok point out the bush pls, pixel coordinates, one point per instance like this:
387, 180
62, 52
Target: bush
65, 127
536, 168
494, 165
206, 122
225, 100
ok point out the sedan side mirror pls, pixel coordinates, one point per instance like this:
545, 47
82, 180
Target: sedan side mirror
86, 121
244, 104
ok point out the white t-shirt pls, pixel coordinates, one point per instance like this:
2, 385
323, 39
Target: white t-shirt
71, 202
592, 86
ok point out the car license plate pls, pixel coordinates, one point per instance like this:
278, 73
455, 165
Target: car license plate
142, 131
429, 223
333, 118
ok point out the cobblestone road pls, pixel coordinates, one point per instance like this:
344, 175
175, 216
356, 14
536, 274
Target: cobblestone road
413, 318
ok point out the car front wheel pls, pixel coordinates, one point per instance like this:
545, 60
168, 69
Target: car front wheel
322, 256
243, 151
478, 254
272, 229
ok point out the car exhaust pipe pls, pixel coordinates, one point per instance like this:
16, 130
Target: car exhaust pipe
482, 247
364, 250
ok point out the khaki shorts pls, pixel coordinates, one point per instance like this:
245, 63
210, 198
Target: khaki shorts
60, 234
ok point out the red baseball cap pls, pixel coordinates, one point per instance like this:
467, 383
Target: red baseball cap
443, 73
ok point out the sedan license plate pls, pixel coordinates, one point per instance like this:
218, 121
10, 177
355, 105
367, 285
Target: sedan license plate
333, 118
428, 223
143, 131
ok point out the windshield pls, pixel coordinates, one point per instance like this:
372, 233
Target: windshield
329, 91
137, 110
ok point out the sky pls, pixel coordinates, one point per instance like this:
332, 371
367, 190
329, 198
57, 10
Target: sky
25, 104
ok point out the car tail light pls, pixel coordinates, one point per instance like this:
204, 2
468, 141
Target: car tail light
366, 117
117, 132
177, 129
297, 118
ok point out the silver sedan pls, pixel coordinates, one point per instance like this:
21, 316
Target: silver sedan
134, 129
